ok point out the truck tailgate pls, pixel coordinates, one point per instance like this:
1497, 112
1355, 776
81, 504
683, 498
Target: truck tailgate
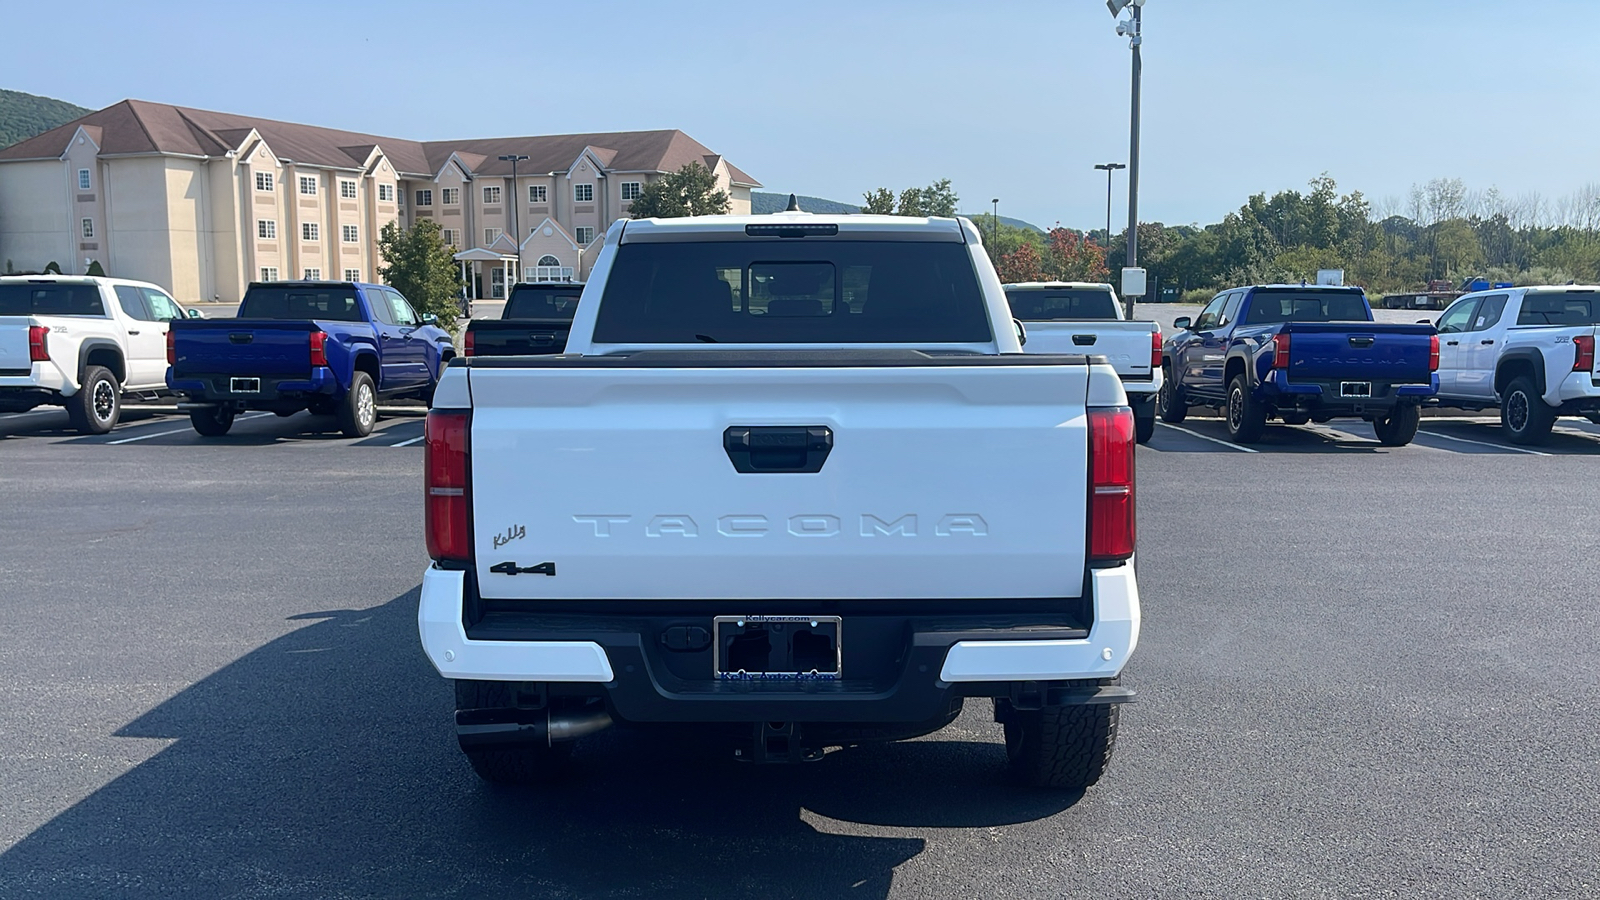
945, 479
14, 357
1369, 351
254, 347
1126, 345
517, 337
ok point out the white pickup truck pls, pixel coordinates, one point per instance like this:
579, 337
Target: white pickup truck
771, 490
1528, 350
83, 342
1086, 317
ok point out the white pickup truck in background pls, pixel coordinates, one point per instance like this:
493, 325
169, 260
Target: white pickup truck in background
1086, 317
1528, 350
83, 342
771, 491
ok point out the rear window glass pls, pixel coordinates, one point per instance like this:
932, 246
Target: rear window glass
51, 300
1267, 307
1565, 308
542, 303
335, 303
756, 292
1065, 303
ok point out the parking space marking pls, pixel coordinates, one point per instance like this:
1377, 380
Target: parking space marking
1485, 443
145, 437
1207, 438
415, 440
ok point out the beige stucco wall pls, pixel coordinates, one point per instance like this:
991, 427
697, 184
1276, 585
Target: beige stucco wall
137, 204
34, 215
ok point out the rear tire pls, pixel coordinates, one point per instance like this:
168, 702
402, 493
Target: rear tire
213, 422
1399, 426
1524, 417
1059, 747
359, 411
97, 404
1144, 421
1246, 417
514, 765
1169, 401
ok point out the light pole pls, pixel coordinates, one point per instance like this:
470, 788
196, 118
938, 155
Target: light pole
994, 228
1109, 168
1131, 29
516, 220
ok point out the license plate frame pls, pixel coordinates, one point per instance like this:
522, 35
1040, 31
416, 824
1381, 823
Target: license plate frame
735, 649
1355, 389
244, 385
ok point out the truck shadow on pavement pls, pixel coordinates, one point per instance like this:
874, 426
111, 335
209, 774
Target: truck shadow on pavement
324, 764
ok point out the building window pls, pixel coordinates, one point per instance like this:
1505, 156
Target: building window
264, 181
491, 196
351, 234
88, 228
269, 273
583, 193
386, 193
538, 193
632, 189
308, 185
450, 236
313, 274
83, 179
424, 198
352, 274
309, 231
450, 196
584, 234
347, 189
267, 229
490, 235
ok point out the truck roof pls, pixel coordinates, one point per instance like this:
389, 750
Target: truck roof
1053, 285
790, 225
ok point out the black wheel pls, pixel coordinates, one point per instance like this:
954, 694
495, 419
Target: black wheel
213, 422
359, 411
1398, 427
1295, 418
96, 405
1144, 421
1523, 414
1247, 418
1170, 400
523, 764
1059, 747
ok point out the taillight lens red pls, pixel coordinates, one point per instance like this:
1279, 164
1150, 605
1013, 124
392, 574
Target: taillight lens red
1433, 354
1280, 352
466, 344
1112, 527
172, 349
1585, 359
1155, 350
319, 352
445, 490
38, 343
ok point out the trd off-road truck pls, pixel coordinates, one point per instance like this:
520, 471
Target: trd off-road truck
772, 489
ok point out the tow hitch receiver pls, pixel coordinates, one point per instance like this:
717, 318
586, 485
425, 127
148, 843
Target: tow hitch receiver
775, 742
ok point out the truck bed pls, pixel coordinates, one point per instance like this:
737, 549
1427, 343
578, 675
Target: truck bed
1124, 344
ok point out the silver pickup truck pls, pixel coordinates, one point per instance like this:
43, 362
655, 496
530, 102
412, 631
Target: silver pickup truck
770, 491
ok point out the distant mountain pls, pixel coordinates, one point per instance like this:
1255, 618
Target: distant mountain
762, 203
1007, 221
24, 115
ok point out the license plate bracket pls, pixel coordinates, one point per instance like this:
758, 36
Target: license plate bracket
244, 385
777, 648
1355, 389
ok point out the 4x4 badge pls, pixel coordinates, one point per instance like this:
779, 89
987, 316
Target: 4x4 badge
511, 568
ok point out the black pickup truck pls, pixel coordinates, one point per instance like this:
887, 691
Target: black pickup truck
536, 320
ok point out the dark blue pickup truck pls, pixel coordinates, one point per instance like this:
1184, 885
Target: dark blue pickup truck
334, 348
1300, 353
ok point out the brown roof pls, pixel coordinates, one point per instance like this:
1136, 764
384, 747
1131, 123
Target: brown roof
138, 126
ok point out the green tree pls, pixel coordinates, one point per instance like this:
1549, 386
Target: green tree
690, 191
1071, 257
910, 203
420, 265
880, 202
95, 269
939, 199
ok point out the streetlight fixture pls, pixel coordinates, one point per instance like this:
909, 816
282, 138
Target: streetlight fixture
1131, 28
516, 220
1109, 168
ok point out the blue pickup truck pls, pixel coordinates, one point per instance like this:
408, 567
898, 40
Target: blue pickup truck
1300, 353
334, 348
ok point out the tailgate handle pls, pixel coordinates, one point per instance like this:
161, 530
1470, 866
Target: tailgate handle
1361, 340
782, 448
1084, 340
241, 337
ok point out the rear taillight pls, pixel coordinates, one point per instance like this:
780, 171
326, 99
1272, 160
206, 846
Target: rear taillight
1433, 353
445, 491
319, 352
172, 349
1155, 350
38, 343
1280, 352
1112, 530
466, 344
1585, 359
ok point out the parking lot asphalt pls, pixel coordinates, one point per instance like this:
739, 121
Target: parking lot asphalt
1363, 672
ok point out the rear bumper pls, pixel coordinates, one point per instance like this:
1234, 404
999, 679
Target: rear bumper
909, 668
1578, 391
39, 376
217, 388
1324, 396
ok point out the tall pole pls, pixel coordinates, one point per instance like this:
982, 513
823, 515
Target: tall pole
1109, 168
516, 219
1133, 151
994, 227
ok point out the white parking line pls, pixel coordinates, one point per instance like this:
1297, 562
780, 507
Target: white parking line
415, 440
146, 437
1207, 438
1484, 443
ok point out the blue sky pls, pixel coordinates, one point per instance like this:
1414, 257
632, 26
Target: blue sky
1013, 99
